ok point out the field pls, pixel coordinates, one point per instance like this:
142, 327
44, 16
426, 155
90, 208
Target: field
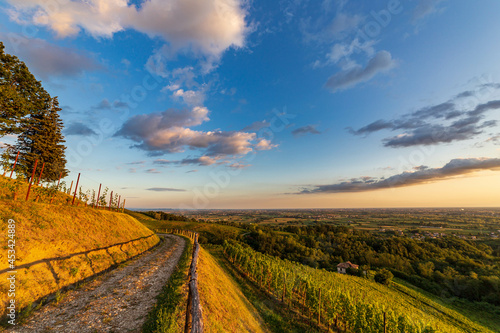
469, 223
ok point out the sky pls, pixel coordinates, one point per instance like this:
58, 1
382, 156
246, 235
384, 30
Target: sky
195, 104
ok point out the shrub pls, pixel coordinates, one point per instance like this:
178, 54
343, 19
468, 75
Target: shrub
384, 276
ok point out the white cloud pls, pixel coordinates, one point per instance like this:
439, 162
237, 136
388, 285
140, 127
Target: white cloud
168, 132
343, 50
190, 97
208, 27
264, 144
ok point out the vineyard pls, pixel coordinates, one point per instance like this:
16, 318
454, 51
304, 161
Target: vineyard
345, 303
20, 189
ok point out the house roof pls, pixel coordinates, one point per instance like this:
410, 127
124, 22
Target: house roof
347, 264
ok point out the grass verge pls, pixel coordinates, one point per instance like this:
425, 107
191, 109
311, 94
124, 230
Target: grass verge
168, 314
225, 308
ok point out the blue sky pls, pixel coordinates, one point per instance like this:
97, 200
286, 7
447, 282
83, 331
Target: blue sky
258, 104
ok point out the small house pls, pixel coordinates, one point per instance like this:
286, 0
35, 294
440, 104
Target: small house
343, 266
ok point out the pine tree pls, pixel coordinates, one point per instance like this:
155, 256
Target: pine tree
42, 140
20, 94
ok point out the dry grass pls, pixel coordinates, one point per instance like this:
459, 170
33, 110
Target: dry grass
225, 308
16, 189
46, 231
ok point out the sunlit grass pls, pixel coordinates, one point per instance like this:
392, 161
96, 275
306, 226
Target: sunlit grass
45, 231
225, 308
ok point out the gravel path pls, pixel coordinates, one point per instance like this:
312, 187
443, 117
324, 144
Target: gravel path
117, 301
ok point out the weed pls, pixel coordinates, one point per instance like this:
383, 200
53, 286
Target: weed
73, 271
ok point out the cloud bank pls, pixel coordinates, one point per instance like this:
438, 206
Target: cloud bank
421, 175
168, 132
205, 26
440, 123
49, 60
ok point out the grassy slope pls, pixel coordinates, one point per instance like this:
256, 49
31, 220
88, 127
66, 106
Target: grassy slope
10, 188
225, 308
47, 231
484, 316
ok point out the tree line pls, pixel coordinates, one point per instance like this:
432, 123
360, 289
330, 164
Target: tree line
28, 112
448, 267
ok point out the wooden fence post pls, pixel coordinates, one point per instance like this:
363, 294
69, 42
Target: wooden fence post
70, 188
15, 162
123, 207
110, 200
31, 180
40, 176
119, 201
98, 196
76, 189
59, 181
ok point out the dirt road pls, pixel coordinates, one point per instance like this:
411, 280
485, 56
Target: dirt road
117, 301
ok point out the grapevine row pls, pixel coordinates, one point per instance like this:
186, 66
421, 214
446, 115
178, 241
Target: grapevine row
347, 303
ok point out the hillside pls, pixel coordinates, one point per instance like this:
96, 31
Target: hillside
347, 302
57, 245
225, 308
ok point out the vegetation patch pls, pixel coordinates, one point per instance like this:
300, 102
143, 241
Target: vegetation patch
278, 318
225, 308
347, 302
169, 313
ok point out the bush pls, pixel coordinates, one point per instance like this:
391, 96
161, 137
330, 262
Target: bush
384, 276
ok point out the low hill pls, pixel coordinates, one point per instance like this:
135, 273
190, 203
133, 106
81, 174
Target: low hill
57, 245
